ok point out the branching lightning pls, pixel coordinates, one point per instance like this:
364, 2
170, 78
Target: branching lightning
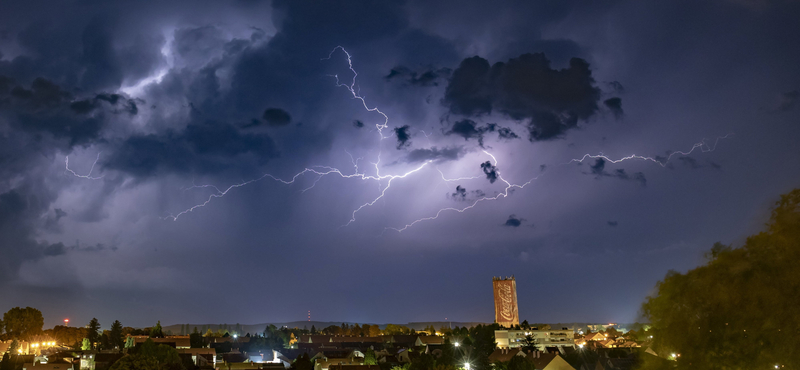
322, 171
702, 145
505, 193
384, 182
87, 176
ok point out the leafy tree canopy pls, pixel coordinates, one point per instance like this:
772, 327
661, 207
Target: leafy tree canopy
23, 323
739, 310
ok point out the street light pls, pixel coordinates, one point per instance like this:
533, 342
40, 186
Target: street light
466, 365
457, 344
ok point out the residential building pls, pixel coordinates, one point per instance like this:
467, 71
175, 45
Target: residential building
541, 338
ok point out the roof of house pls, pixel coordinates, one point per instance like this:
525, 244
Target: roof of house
173, 341
541, 360
431, 339
198, 351
352, 339
314, 338
354, 367
234, 357
505, 354
594, 336
404, 338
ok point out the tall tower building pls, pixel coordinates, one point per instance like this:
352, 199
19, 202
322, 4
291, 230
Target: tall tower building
505, 301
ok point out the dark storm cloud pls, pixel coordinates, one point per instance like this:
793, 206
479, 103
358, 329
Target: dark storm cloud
461, 194
525, 88
208, 147
47, 107
612, 223
615, 105
469, 129
358, 123
514, 221
598, 170
403, 135
435, 154
80, 52
616, 87
276, 117
117, 102
425, 78
20, 211
490, 171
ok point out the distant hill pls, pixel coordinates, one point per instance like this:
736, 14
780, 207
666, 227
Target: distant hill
259, 328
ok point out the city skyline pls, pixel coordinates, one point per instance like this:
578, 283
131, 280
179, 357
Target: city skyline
377, 162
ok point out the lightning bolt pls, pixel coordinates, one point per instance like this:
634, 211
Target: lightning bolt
87, 176
505, 193
702, 145
322, 171
385, 181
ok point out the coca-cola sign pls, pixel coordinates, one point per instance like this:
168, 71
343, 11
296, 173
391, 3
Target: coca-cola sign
505, 302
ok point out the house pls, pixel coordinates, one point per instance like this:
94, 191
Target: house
350, 339
594, 336
355, 367
549, 361
178, 341
325, 363
200, 355
314, 338
431, 339
541, 338
407, 341
505, 354
50, 366
403, 356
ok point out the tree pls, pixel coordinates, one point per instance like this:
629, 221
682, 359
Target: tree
739, 310
115, 337
448, 353
313, 329
23, 323
196, 340
423, 362
302, 363
157, 331
369, 357
86, 345
165, 356
130, 343
93, 332
529, 343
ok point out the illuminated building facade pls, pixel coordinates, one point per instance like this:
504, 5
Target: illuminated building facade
505, 301
541, 338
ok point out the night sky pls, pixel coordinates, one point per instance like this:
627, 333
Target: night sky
176, 102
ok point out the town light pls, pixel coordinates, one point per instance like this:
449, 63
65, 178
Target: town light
466, 365
457, 344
